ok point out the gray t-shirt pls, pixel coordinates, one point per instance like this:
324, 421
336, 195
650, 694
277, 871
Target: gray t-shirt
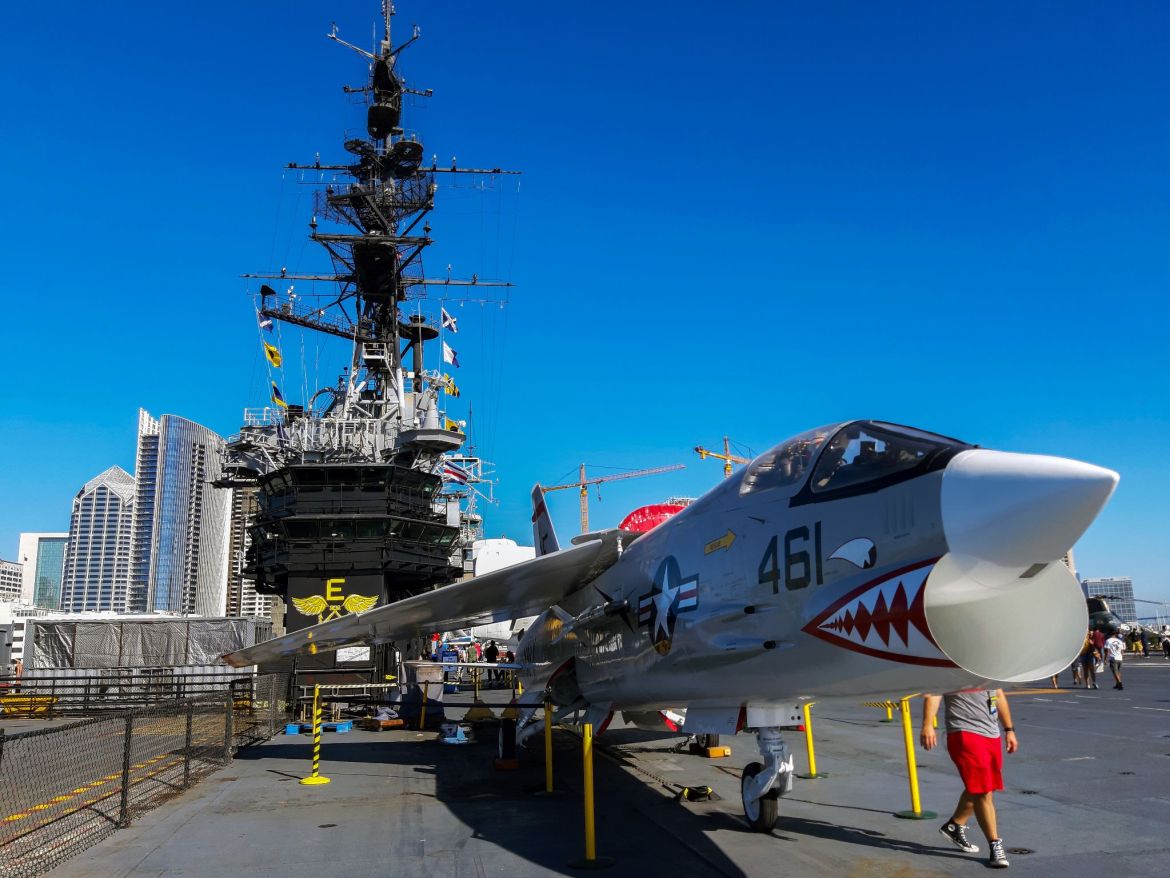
973, 710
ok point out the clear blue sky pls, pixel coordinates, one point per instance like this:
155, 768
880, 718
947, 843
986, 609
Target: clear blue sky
735, 218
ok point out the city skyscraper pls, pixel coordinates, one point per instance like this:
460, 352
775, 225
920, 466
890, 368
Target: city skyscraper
1118, 590
180, 529
243, 599
10, 580
43, 557
97, 560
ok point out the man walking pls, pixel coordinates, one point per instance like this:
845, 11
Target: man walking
973, 718
492, 656
1115, 651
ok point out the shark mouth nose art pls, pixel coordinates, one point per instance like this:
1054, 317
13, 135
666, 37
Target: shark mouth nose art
885, 618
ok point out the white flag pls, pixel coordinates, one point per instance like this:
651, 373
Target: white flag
450, 355
448, 321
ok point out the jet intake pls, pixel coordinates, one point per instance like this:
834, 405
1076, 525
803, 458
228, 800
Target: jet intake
1000, 603
1017, 509
1007, 624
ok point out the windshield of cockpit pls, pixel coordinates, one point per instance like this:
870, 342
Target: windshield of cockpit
866, 451
787, 464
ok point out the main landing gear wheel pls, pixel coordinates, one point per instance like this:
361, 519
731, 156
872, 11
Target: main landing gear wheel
760, 813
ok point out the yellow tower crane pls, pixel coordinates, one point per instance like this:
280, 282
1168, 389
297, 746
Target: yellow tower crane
727, 457
583, 484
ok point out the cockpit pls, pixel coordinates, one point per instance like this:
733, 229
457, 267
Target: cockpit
845, 459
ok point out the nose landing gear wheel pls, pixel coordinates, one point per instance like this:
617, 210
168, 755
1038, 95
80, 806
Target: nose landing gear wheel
761, 813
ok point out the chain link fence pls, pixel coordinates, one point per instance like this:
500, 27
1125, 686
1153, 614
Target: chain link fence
65, 788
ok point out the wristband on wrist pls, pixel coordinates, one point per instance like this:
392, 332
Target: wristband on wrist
1009, 728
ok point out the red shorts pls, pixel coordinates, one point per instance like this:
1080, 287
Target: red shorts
979, 760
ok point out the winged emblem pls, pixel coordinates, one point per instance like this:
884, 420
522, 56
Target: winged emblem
359, 603
314, 605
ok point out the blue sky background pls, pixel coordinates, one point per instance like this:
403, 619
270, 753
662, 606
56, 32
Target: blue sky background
749, 218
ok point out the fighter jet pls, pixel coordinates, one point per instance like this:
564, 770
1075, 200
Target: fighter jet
862, 558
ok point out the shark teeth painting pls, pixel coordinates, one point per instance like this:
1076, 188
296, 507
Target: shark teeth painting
884, 618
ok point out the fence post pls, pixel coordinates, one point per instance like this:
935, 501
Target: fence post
124, 807
228, 728
272, 711
1, 747
187, 744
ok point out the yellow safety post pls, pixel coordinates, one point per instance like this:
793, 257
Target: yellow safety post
591, 861
915, 812
548, 749
808, 742
548, 756
315, 778
422, 714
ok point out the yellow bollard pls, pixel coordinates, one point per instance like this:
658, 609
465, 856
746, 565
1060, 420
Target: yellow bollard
808, 743
548, 751
915, 812
591, 861
889, 713
315, 778
587, 758
422, 714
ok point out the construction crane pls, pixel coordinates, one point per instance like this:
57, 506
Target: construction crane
583, 484
727, 457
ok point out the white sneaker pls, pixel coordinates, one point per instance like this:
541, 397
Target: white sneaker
997, 859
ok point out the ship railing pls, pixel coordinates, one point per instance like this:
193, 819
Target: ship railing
291, 306
52, 692
75, 783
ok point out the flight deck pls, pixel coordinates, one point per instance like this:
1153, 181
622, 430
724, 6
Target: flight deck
1086, 793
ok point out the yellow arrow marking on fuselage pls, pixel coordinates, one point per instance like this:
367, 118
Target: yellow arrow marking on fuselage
724, 542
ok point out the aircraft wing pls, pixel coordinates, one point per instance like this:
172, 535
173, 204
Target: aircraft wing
524, 589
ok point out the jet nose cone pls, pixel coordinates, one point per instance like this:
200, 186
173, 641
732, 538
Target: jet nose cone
1019, 509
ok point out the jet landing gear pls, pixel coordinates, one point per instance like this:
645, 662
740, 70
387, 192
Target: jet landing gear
764, 784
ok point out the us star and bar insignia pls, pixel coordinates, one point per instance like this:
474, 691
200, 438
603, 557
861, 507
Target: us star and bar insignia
670, 595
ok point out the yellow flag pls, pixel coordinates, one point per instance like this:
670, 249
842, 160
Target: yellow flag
273, 355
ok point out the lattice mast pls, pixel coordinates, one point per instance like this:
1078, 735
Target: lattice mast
376, 252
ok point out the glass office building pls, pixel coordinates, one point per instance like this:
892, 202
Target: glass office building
43, 557
180, 545
1118, 591
97, 560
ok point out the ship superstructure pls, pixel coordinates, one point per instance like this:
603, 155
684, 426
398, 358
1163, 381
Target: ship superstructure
364, 493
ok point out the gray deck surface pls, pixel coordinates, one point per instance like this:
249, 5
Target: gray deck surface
1088, 793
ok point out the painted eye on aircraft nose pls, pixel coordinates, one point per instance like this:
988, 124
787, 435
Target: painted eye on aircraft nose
1018, 509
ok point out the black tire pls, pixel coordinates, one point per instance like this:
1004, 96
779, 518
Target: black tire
760, 815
